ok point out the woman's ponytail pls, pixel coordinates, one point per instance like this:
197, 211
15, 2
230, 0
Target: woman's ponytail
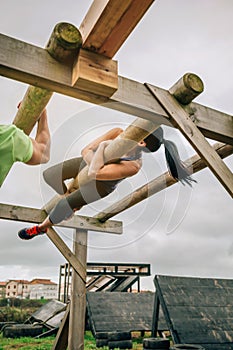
175, 165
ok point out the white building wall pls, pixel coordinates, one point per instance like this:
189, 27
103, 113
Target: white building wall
42, 291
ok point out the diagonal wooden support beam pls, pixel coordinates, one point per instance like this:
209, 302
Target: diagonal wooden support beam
194, 164
181, 119
67, 253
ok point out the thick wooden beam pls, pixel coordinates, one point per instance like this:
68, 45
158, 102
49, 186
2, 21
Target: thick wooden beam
61, 340
67, 253
182, 120
17, 62
63, 45
108, 23
95, 73
194, 164
78, 295
17, 213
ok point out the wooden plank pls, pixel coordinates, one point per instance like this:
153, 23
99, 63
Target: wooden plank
194, 163
25, 214
107, 24
78, 294
155, 317
206, 336
172, 283
122, 311
17, 62
61, 340
67, 253
204, 324
196, 309
183, 121
95, 73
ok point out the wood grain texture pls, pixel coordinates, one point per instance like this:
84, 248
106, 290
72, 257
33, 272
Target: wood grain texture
198, 310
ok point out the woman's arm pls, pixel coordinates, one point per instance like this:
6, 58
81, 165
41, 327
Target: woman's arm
97, 161
89, 151
117, 171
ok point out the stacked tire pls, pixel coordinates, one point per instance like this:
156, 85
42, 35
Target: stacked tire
121, 340
22, 330
187, 347
156, 343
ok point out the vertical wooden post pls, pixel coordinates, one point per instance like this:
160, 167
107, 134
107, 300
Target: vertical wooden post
78, 295
155, 317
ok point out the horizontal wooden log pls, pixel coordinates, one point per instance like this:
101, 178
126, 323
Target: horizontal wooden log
195, 164
17, 62
25, 214
108, 23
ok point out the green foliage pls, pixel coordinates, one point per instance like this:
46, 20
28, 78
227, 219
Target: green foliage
18, 310
26, 343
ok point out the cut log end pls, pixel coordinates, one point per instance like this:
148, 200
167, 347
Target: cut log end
187, 88
65, 42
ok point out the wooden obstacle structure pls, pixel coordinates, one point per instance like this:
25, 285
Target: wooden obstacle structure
89, 73
109, 312
197, 311
104, 277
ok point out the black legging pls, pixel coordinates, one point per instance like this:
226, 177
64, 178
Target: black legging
88, 193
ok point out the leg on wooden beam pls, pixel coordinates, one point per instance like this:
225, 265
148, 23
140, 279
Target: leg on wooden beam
78, 295
195, 164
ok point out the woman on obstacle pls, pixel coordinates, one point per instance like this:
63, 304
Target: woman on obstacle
103, 178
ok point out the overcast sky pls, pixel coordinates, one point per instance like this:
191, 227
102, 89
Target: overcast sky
180, 231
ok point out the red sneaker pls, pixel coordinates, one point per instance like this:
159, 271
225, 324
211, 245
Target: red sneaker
29, 233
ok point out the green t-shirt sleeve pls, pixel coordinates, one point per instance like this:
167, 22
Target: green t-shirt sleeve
23, 147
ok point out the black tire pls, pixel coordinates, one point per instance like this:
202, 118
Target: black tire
22, 330
101, 342
101, 335
114, 336
187, 347
121, 344
156, 343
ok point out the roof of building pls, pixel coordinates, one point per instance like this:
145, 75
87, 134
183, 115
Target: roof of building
42, 281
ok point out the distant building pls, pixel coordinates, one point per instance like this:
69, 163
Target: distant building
17, 289
38, 288
43, 289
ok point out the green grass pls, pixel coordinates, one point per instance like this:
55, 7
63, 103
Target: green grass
47, 343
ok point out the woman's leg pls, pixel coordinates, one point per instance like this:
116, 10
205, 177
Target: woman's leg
57, 174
